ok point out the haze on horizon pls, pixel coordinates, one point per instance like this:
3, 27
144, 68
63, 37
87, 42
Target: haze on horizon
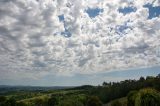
77, 42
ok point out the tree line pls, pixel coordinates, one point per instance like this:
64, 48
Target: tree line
113, 90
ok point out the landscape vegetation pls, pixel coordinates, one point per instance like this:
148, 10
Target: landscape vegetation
142, 92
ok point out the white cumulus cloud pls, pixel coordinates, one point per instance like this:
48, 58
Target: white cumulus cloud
34, 42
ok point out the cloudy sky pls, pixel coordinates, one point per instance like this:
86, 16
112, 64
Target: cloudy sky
75, 42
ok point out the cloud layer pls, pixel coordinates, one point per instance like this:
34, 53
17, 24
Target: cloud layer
35, 42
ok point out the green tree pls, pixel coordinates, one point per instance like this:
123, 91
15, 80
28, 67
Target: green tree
142, 79
158, 76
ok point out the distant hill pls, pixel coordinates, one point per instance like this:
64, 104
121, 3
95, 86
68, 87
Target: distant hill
8, 88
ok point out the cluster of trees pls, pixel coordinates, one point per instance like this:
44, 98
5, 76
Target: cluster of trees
113, 90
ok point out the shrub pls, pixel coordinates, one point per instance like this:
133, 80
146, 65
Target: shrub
70, 102
145, 97
21, 104
94, 101
52, 101
40, 101
131, 98
116, 103
2, 99
10, 102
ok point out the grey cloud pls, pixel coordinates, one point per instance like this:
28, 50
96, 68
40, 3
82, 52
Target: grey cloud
140, 47
83, 61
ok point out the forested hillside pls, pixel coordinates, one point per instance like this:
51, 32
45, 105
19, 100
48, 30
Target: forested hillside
142, 92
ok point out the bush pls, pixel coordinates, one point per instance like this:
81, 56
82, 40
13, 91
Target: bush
10, 102
21, 104
2, 99
116, 103
145, 97
70, 102
131, 98
73, 100
52, 101
94, 101
40, 102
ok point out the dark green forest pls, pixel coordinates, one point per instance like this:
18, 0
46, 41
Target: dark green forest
142, 92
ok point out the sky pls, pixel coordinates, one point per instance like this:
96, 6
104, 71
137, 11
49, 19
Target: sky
77, 42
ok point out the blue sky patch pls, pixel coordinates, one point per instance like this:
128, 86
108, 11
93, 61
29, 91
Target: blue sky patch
61, 17
93, 12
120, 29
127, 10
65, 33
153, 11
